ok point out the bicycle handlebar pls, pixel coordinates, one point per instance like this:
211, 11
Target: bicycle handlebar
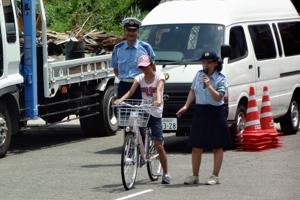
134, 106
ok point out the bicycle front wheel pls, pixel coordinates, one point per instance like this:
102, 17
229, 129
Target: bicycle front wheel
153, 165
129, 162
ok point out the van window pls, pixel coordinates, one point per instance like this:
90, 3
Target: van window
290, 33
238, 43
9, 21
263, 41
277, 39
183, 43
192, 43
1, 54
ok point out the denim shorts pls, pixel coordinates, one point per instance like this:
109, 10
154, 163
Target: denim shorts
155, 125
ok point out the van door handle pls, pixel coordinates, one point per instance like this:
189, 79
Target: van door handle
258, 71
250, 66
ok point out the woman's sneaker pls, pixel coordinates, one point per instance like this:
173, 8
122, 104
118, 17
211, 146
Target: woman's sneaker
213, 180
166, 179
191, 180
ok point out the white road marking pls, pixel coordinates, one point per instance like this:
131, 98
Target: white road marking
135, 194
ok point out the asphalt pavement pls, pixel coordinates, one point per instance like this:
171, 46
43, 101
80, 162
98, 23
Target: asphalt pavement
59, 163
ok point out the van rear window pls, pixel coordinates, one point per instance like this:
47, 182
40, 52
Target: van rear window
290, 33
263, 42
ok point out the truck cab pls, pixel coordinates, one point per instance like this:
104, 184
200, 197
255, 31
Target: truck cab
10, 47
10, 75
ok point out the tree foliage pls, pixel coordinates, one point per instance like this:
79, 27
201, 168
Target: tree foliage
105, 15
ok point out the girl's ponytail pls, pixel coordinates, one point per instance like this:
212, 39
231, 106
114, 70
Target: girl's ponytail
153, 67
219, 66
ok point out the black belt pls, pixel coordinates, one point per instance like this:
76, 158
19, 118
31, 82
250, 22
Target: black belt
127, 80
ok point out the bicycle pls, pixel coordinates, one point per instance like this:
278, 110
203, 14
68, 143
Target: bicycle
133, 115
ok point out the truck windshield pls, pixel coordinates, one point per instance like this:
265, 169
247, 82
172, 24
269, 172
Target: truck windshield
182, 43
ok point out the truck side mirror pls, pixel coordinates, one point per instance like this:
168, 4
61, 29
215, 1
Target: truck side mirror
225, 51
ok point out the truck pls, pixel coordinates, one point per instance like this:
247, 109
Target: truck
32, 86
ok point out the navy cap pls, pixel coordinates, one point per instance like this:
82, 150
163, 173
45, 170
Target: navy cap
209, 55
131, 23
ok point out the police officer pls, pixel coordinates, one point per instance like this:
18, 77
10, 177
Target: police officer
209, 128
125, 56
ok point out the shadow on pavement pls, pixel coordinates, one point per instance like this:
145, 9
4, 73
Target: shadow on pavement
111, 188
39, 137
177, 145
182, 185
173, 144
115, 150
101, 165
118, 188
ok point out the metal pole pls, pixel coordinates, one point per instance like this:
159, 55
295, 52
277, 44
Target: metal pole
29, 68
46, 69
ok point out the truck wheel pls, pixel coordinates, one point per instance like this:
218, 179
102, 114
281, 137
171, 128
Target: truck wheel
239, 123
290, 121
5, 130
104, 124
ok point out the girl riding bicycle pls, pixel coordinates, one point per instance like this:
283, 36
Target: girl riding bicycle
152, 86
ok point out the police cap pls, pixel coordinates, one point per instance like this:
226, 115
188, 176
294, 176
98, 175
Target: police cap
209, 56
131, 23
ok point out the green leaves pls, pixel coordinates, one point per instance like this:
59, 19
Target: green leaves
64, 15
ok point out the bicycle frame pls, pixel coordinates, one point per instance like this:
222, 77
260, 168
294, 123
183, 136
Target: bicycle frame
143, 147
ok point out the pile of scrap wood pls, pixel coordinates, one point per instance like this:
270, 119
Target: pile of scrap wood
95, 41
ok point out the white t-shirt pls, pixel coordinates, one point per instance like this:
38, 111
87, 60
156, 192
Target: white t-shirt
149, 92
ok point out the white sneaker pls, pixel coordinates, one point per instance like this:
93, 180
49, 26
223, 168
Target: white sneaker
213, 180
191, 180
166, 179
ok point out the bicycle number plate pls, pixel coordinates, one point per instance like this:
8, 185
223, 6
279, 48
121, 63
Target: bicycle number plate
169, 124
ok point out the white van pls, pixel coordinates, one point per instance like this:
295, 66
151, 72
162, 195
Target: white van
264, 36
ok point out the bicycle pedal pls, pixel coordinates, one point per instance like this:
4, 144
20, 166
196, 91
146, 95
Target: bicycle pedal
142, 162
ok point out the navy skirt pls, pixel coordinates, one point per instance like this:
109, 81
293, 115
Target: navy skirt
209, 128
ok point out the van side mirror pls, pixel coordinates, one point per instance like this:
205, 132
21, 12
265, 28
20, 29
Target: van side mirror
11, 32
11, 37
225, 51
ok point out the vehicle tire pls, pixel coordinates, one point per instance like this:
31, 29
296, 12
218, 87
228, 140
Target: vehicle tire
239, 124
290, 121
153, 165
129, 162
104, 124
6, 127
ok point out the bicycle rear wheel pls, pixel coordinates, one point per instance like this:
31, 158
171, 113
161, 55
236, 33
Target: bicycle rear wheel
153, 165
129, 162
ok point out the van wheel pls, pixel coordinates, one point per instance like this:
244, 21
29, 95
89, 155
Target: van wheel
104, 124
239, 123
290, 121
5, 130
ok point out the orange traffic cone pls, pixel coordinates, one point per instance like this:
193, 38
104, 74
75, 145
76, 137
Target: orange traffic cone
253, 138
252, 117
266, 116
266, 119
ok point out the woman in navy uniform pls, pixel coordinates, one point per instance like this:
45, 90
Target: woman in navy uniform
209, 128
